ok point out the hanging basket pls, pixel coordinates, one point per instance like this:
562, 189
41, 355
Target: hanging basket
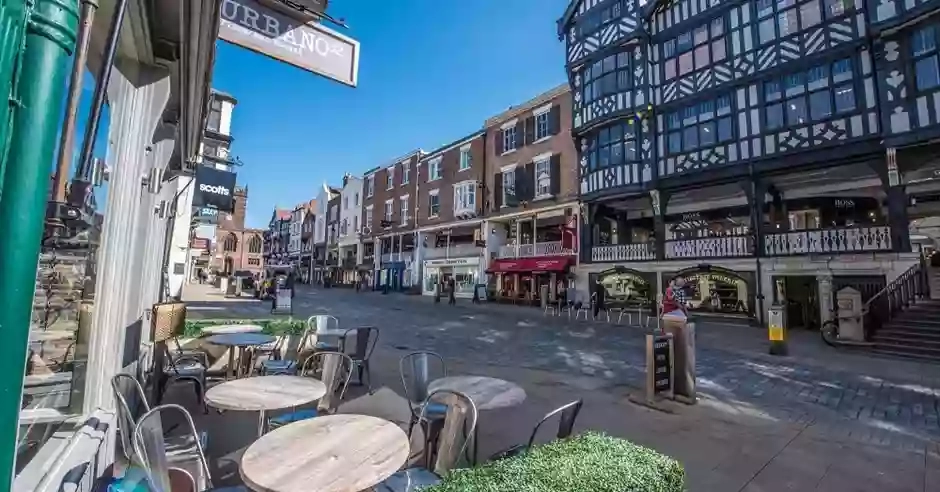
168, 319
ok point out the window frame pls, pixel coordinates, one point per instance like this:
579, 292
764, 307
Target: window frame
465, 192
369, 216
542, 127
370, 186
434, 206
506, 173
405, 173
434, 169
625, 136
673, 51
812, 83
465, 163
547, 163
403, 208
389, 178
932, 53
596, 74
389, 209
508, 135
694, 121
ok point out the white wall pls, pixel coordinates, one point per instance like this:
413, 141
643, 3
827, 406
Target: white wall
319, 226
225, 122
350, 210
179, 241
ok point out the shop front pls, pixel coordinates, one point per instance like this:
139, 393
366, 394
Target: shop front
464, 271
717, 291
392, 274
627, 288
521, 280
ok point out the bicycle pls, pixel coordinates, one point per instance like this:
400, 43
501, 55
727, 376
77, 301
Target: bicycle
830, 331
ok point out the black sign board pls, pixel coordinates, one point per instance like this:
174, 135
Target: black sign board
214, 188
659, 365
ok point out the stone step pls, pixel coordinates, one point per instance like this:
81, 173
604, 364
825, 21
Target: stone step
903, 353
908, 333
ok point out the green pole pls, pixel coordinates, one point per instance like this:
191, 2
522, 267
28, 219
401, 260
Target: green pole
37, 100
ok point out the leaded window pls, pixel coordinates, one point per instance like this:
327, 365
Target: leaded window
612, 146
699, 126
605, 77
695, 49
782, 18
817, 94
591, 21
926, 61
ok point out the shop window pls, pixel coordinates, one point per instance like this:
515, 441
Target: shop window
623, 288
716, 291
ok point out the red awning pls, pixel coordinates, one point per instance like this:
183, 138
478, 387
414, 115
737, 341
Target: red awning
541, 264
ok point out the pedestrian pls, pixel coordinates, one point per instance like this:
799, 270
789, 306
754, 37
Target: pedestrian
674, 301
599, 297
451, 292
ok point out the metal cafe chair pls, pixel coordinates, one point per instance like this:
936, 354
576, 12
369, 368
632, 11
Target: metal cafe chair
366, 338
415, 370
320, 323
567, 414
158, 460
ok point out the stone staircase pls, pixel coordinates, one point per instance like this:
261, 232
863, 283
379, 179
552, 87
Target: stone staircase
915, 331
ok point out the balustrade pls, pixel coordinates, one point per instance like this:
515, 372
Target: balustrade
548, 248
624, 252
835, 240
454, 251
710, 247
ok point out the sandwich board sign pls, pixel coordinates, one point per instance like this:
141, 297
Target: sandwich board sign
262, 27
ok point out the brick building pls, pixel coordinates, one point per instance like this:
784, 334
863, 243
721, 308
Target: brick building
236, 247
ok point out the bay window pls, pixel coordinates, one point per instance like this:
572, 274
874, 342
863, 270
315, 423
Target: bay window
605, 77
817, 94
612, 146
699, 126
695, 49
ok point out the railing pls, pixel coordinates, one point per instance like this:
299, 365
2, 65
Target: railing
711, 247
549, 248
624, 252
836, 240
454, 251
895, 297
405, 256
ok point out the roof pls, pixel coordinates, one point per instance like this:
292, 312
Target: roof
224, 96
455, 143
282, 214
536, 101
419, 152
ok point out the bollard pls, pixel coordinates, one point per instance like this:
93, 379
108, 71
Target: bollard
777, 329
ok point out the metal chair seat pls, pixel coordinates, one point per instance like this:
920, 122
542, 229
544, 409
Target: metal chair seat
186, 369
278, 366
180, 448
295, 416
409, 480
434, 410
326, 346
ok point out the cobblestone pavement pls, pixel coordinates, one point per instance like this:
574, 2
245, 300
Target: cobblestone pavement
844, 395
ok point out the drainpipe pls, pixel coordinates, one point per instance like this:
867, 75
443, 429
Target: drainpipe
41, 39
67, 137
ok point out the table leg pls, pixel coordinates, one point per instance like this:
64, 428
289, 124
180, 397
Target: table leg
262, 423
230, 373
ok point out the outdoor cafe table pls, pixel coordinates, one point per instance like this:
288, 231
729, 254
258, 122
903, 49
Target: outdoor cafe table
228, 329
487, 393
332, 453
240, 340
263, 393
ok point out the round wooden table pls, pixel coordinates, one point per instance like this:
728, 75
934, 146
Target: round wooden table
333, 453
242, 341
228, 329
486, 393
263, 393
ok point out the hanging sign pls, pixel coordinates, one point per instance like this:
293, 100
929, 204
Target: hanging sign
215, 189
271, 32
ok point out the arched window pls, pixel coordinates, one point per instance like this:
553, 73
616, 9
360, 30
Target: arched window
230, 244
254, 244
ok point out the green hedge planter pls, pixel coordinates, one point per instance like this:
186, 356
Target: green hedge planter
271, 326
590, 462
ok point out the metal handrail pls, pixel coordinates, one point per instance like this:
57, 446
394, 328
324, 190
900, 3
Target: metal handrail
896, 296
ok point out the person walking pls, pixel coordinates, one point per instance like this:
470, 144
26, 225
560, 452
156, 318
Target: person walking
674, 301
451, 292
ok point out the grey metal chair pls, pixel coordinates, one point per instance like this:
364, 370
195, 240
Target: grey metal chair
336, 379
319, 323
366, 338
415, 370
567, 415
157, 459
447, 455
183, 368
131, 405
289, 363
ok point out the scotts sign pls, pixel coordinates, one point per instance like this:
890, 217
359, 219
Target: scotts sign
215, 188
276, 30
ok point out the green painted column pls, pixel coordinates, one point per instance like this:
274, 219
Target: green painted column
37, 98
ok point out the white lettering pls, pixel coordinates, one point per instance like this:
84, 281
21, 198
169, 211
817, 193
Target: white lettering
217, 190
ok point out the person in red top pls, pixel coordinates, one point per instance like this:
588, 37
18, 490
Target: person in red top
674, 300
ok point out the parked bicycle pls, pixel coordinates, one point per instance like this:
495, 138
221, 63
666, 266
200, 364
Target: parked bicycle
830, 331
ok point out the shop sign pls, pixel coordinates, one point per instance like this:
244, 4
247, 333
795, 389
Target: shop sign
309, 46
452, 262
714, 277
215, 188
531, 265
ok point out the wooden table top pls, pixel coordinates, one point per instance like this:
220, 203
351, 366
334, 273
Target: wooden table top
265, 393
486, 393
228, 329
333, 453
50, 335
240, 339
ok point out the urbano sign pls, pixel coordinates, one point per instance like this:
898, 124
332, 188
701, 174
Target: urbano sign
214, 189
270, 31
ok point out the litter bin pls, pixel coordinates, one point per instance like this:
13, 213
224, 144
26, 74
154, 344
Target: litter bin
683, 336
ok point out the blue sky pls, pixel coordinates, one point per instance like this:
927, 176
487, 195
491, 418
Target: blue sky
430, 72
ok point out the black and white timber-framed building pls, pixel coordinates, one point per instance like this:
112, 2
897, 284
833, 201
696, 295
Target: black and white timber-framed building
766, 150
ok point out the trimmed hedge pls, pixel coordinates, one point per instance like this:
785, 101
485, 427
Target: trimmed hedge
271, 326
590, 462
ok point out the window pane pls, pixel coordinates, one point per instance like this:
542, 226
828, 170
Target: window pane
672, 121
623, 80
669, 48
782, 4
819, 105
927, 73
616, 153
707, 135
767, 30
787, 22
765, 7
838, 7
718, 27
669, 69
700, 36
675, 143
724, 105
796, 110
701, 56
610, 64
684, 42
810, 14
845, 98
724, 129
774, 116
603, 137
718, 50
629, 150
924, 41
689, 115
706, 110
685, 63
793, 81
604, 156
842, 70
623, 59
772, 90
690, 138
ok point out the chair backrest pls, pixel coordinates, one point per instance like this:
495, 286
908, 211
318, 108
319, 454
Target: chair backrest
415, 371
320, 322
131, 405
567, 413
460, 423
332, 367
367, 337
150, 448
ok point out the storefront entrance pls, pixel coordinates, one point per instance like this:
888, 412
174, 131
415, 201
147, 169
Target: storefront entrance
800, 293
521, 281
464, 271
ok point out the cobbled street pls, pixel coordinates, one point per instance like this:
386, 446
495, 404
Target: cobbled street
845, 399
